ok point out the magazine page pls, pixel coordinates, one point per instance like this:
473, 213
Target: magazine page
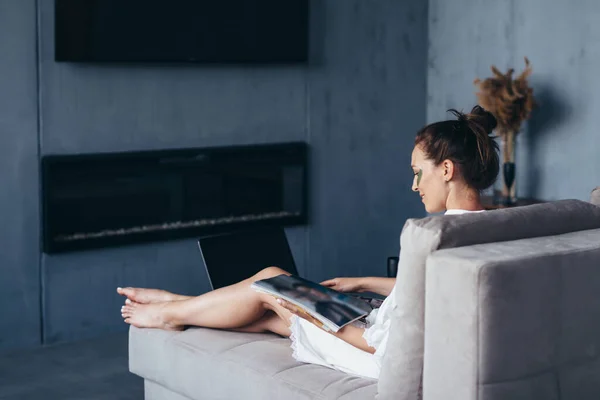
332, 308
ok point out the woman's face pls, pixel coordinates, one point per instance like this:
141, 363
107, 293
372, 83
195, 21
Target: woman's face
430, 181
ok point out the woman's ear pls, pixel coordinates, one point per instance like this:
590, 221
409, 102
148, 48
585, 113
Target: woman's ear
448, 170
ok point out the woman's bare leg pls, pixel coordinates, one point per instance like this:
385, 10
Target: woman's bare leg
270, 322
145, 296
231, 307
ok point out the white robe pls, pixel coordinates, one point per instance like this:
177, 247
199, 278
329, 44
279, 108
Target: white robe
313, 345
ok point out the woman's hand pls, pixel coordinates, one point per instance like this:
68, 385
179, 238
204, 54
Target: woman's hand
299, 312
345, 284
350, 334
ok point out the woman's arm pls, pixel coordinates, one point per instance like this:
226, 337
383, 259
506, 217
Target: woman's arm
350, 334
378, 285
381, 286
354, 336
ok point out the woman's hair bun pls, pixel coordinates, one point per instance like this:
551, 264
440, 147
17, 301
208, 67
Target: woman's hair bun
467, 142
482, 117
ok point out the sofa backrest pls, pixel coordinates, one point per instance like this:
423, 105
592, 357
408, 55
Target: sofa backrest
402, 367
595, 199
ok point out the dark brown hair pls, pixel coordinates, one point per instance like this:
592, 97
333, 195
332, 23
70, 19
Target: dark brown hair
465, 141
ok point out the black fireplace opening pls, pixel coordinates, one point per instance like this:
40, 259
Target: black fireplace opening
114, 199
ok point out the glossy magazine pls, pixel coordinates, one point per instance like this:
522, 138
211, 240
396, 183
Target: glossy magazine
331, 308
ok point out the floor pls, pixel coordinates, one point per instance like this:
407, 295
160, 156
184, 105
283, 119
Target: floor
95, 369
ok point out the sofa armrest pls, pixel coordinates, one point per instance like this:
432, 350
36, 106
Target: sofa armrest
514, 320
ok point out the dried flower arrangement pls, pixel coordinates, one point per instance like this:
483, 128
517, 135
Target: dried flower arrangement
511, 102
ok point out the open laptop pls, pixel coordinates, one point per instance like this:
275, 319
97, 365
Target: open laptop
232, 257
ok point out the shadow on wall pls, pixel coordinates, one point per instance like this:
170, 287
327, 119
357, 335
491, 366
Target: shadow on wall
551, 111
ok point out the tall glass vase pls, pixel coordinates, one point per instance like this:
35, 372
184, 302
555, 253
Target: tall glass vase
508, 169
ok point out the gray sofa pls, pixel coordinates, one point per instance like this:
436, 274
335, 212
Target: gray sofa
497, 305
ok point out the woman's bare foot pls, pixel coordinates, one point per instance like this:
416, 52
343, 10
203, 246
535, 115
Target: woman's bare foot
147, 316
147, 296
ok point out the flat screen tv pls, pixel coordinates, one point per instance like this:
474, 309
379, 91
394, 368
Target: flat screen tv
202, 31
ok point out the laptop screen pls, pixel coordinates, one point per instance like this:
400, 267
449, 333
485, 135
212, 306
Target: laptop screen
232, 257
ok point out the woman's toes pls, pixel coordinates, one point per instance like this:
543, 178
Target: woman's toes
129, 292
126, 311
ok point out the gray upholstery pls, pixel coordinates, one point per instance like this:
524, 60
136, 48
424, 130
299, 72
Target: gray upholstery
211, 364
512, 313
153, 391
514, 320
403, 362
595, 198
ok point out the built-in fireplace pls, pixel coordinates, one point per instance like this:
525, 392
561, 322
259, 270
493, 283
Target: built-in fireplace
111, 199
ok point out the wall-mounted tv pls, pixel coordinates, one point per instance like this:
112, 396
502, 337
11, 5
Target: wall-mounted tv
202, 31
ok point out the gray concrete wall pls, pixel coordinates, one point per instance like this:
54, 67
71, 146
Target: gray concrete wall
358, 104
19, 210
557, 152
367, 100
94, 108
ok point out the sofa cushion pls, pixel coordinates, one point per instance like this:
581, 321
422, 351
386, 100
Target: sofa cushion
211, 364
595, 199
403, 362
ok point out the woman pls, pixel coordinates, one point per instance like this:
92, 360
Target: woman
452, 161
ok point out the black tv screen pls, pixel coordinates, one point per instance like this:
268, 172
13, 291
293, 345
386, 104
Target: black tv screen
211, 31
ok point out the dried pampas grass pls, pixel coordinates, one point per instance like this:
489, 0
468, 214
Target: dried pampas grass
509, 100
